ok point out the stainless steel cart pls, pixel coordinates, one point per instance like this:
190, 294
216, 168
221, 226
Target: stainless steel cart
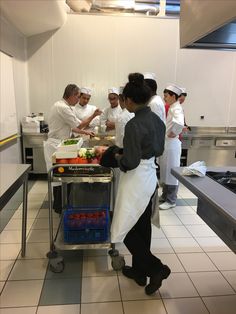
78, 174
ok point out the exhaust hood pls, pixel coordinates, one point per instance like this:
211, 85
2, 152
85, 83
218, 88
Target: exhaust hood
148, 7
208, 24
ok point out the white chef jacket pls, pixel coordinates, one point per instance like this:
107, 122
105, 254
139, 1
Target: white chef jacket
157, 106
175, 119
83, 112
61, 120
172, 152
120, 123
110, 114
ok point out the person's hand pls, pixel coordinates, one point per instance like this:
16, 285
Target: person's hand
171, 134
99, 150
90, 133
97, 112
110, 125
118, 156
185, 129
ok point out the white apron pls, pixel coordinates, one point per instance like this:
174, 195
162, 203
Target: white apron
170, 159
50, 147
134, 192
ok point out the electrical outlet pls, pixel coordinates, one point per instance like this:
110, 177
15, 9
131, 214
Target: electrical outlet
202, 117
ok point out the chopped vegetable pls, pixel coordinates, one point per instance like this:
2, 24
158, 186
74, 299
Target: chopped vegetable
88, 153
70, 142
82, 152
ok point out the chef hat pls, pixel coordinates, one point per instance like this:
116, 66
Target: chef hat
150, 76
86, 90
184, 92
175, 89
113, 90
121, 90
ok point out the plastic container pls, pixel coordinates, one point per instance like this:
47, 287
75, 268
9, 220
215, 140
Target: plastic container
30, 125
70, 148
87, 225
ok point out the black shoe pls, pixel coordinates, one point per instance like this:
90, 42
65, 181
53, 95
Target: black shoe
129, 272
156, 280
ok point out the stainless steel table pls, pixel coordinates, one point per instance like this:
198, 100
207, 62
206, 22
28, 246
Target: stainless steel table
216, 204
12, 176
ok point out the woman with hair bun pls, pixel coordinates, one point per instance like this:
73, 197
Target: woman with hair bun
143, 141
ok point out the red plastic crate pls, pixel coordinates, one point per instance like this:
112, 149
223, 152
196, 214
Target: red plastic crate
86, 225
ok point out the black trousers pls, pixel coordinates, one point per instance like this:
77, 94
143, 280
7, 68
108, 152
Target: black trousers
138, 242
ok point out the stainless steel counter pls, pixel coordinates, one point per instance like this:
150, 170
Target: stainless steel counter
216, 204
12, 176
216, 146
33, 152
211, 133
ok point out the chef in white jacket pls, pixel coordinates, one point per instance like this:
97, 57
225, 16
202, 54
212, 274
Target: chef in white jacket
110, 114
156, 103
120, 124
121, 120
83, 109
62, 122
172, 152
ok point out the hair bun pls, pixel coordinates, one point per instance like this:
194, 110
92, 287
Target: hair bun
136, 79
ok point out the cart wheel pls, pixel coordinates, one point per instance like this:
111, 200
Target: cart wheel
113, 253
56, 266
118, 262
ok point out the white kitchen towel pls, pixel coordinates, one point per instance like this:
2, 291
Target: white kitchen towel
198, 168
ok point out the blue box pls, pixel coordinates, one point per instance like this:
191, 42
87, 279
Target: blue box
86, 225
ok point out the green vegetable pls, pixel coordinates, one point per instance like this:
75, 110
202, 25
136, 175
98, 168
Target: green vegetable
87, 153
90, 153
70, 142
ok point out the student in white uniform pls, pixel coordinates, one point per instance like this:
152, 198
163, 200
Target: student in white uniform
109, 115
156, 103
62, 122
143, 141
183, 95
172, 152
121, 120
83, 109
120, 124
181, 101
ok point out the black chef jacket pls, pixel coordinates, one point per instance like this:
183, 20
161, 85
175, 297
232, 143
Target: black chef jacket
144, 138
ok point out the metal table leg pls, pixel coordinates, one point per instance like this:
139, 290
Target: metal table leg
24, 217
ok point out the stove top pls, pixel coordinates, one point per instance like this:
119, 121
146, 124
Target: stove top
227, 179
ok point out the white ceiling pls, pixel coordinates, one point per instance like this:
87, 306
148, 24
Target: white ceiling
32, 17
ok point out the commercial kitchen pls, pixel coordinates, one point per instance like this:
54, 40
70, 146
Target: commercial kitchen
49, 44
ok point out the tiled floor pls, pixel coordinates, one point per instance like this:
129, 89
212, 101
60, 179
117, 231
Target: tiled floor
203, 278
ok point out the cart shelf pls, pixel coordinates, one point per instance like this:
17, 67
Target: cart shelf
61, 245
90, 175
